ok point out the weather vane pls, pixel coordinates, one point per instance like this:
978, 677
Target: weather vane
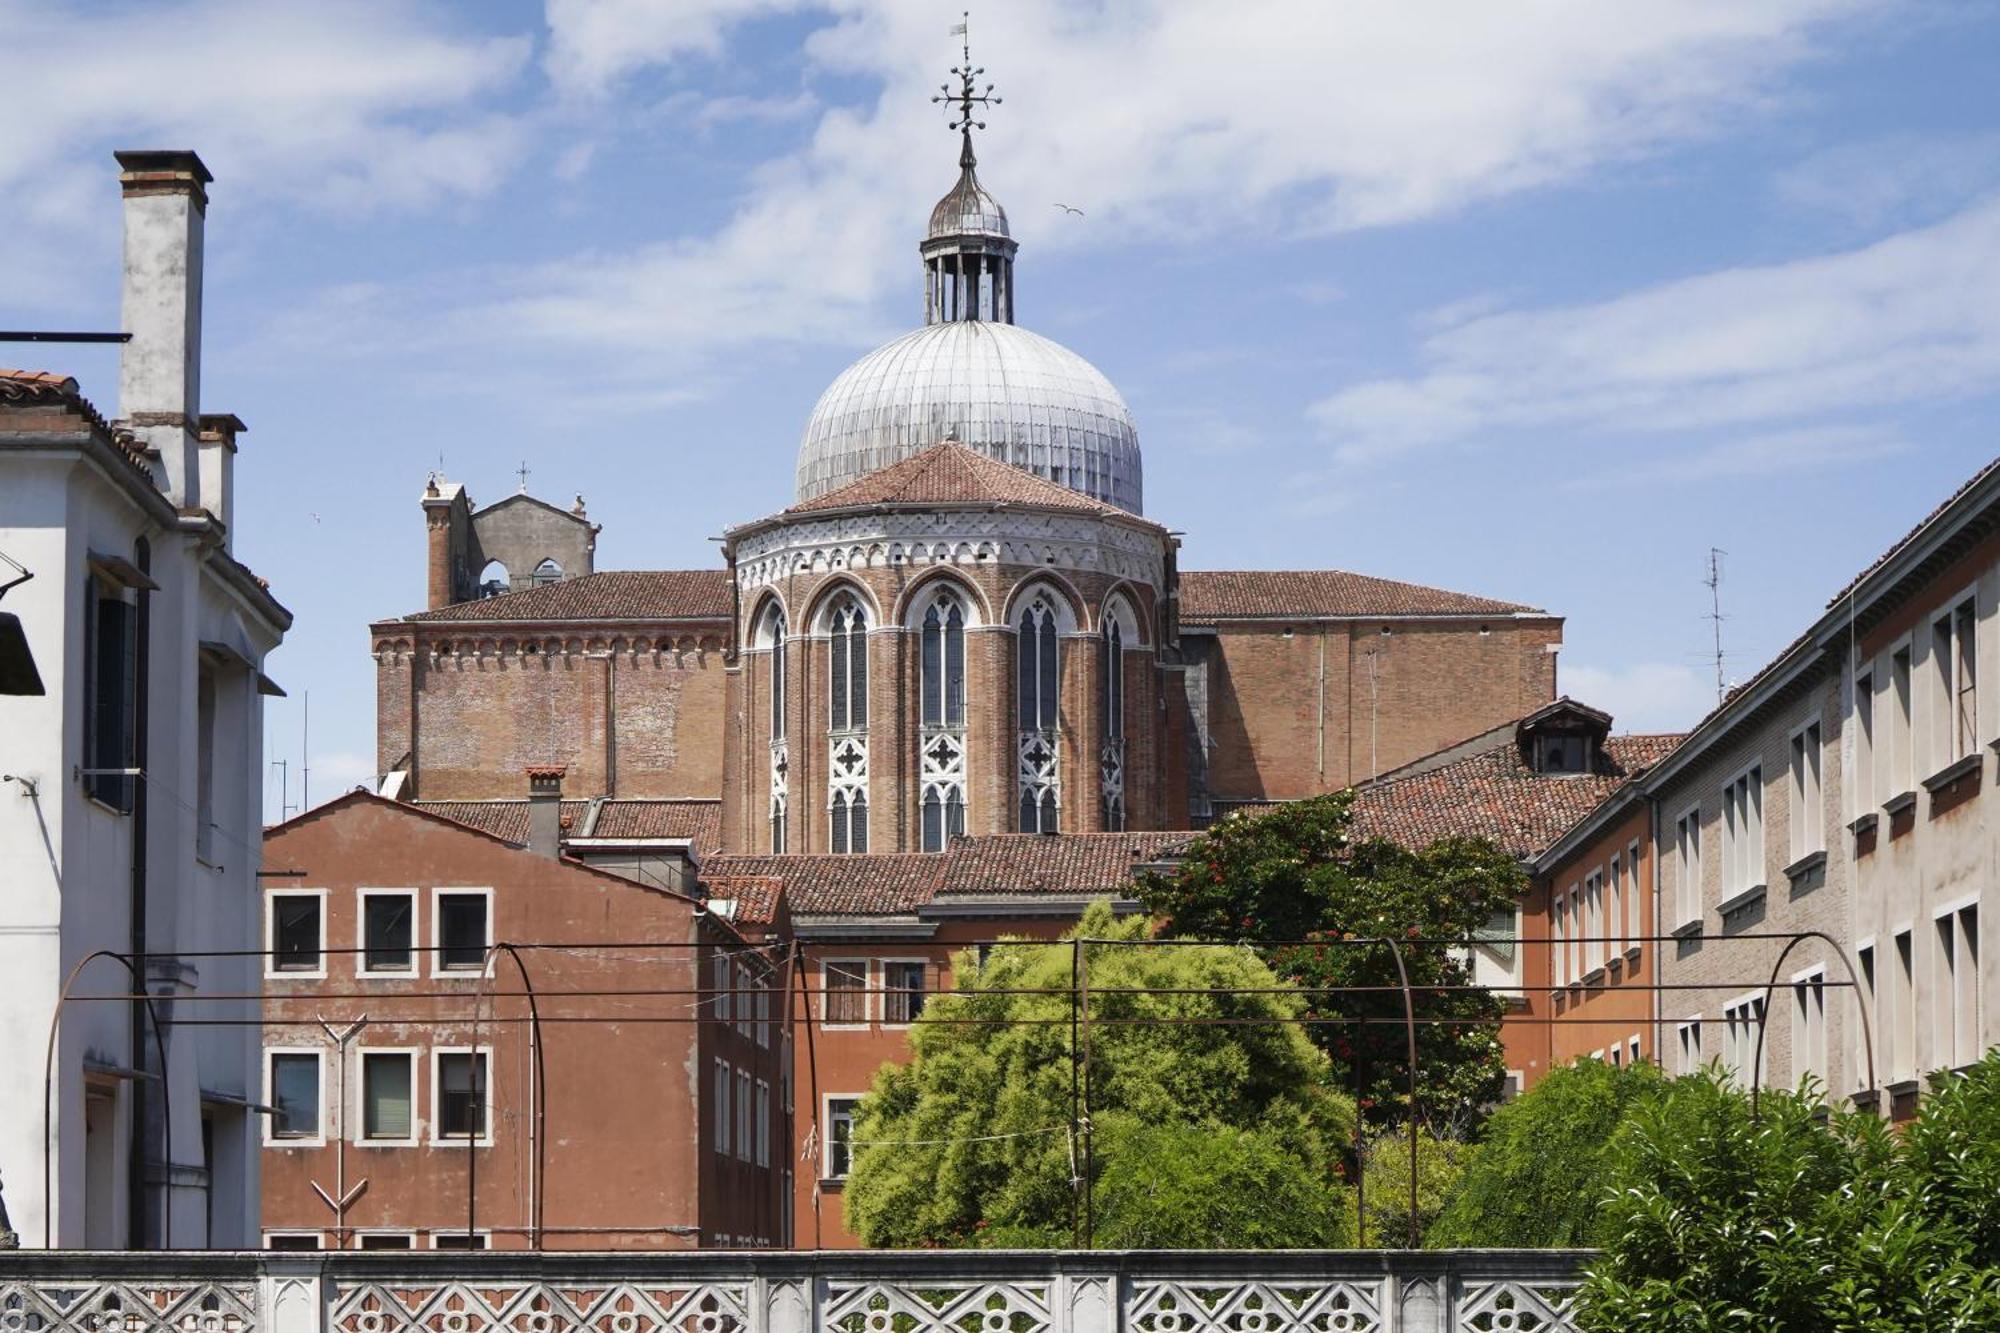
968, 95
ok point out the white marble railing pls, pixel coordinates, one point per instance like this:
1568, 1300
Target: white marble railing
1360, 1291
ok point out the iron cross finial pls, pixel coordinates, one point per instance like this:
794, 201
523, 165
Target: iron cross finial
522, 471
969, 94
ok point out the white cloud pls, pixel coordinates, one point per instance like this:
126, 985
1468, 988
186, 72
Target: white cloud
1169, 120
1758, 455
1913, 317
1894, 179
1643, 697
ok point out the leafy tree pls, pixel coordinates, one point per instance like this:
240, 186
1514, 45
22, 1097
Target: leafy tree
1540, 1172
1385, 1165
1295, 873
1799, 1219
1203, 1134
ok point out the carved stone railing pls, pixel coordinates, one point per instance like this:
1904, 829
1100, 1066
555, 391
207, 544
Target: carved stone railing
1350, 1291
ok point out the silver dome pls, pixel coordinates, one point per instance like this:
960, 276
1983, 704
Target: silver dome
1007, 393
969, 209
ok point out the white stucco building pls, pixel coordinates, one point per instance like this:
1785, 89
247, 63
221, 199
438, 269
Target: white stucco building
130, 810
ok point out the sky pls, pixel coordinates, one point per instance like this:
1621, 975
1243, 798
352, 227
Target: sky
1541, 301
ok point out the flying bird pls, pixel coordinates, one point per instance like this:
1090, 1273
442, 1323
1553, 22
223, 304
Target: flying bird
1067, 209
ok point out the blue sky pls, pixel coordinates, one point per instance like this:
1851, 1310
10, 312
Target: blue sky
1539, 300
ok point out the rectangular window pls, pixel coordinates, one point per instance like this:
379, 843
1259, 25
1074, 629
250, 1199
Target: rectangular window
1955, 992
1690, 1043
725, 1002
724, 1079
1863, 783
1809, 1029
763, 1129
1617, 1056
1808, 817
764, 1011
743, 1005
1739, 1049
388, 931
902, 992
293, 1087
204, 764
297, 925
111, 693
1687, 867
457, 1240
1743, 832
291, 1240
1903, 1022
1632, 1049
846, 984
840, 1136
1614, 911
462, 929
1955, 691
1871, 1011
388, 1096
745, 1105
463, 1088
1576, 930
1638, 926
387, 1240
1559, 955
1901, 757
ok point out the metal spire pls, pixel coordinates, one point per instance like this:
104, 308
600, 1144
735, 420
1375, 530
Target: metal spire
968, 95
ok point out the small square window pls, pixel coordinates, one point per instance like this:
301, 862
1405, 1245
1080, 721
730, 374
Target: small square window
388, 931
297, 932
385, 1240
461, 931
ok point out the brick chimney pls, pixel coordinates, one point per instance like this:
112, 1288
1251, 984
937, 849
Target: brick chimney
159, 390
545, 809
218, 467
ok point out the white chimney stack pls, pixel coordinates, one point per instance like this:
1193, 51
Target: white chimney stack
159, 394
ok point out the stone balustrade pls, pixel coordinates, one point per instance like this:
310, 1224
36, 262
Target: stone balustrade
1354, 1291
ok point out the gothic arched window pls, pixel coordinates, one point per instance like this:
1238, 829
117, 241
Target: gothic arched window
1111, 761
548, 571
773, 637
1039, 680
847, 725
941, 737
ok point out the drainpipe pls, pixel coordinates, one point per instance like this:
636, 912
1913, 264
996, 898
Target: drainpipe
136, 1228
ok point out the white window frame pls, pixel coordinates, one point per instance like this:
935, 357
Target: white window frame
292, 1233
438, 1138
1862, 783
1811, 1051
867, 994
408, 1235
1903, 725
271, 970
1953, 991
1690, 1026
438, 894
1614, 908
746, 1117
762, 1126
1868, 998
361, 968
1748, 1002
1559, 955
1905, 987
1635, 910
314, 1140
1688, 889
482, 1235
826, 1132
1576, 968
359, 1138
1743, 858
1632, 1050
1805, 753
723, 1122
1942, 731
883, 965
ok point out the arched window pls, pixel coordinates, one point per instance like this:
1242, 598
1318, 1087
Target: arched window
1039, 679
1111, 762
847, 725
941, 737
772, 635
494, 579
548, 571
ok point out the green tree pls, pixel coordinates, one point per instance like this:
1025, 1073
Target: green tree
1385, 1165
1542, 1167
1203, 1133
1295, 873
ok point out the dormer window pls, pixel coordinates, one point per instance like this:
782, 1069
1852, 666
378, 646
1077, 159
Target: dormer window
1561, 752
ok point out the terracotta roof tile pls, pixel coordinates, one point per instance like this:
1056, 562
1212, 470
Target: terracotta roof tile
1495, 794
950, 473
756, 896
616, 594
698, 819
502, 819
1068, 864
841, 885
1211, 595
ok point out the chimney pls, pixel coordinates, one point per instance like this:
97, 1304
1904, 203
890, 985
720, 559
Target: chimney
545, 809
159, 391
218, 467
447, 521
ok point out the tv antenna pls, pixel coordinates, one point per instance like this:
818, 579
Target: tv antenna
1714, 585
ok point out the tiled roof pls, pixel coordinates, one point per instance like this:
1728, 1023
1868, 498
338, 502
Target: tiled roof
841, 885
21, 386
1070, 864
698, 819
1913, 533
1495, 794
615, 594
1210, 595
950, 473
755, 896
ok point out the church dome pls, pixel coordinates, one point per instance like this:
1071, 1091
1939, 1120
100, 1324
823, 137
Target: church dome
969, 209
1002, 391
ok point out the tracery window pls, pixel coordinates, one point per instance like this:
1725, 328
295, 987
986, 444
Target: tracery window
1038, 661
847, 726
774, 637
1111, 760
941, 735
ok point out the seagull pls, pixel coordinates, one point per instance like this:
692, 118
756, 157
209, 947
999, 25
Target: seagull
1067, 209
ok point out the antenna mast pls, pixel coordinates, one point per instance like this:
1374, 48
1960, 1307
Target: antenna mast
1714, 585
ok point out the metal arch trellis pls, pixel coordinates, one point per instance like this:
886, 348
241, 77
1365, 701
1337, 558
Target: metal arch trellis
538, 1100
1764, 1010
48, 1096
